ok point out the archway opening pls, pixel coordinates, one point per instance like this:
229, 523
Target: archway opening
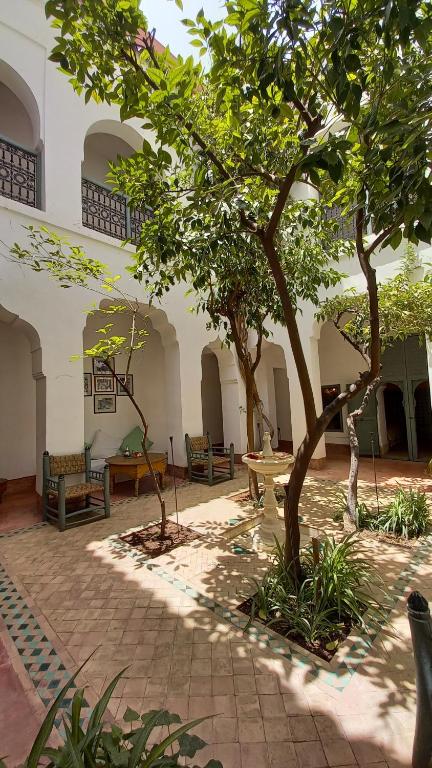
103, 210
211, 397
395, 422
423, 420
20, 145
22, 421
273, 387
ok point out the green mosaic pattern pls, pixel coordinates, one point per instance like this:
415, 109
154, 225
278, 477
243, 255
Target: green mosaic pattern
41, 661
27, 529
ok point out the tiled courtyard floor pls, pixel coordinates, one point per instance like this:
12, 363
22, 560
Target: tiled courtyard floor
171, 621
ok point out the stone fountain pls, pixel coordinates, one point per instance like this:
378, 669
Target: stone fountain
268, 463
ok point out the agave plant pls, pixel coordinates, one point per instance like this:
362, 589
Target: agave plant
98, 744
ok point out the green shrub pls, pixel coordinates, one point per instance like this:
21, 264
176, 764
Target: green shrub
102, 745
407, 515
336, 591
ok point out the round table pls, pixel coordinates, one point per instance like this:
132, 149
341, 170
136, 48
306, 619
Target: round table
136, 467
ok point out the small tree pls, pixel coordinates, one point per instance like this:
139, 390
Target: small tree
230, 277
405, 307
294, 91
69, 266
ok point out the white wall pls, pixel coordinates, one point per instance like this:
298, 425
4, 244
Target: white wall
15, 123
100, 149
339, 364
211, 398
148, 370
17, 405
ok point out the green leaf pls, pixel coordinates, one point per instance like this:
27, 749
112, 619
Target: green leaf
48, 724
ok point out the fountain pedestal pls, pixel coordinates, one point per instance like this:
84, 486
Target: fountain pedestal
269, 464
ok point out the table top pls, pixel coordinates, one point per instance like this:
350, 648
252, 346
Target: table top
135, 460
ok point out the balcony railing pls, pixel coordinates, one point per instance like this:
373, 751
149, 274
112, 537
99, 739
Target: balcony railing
108, 212
19, 174
346, 225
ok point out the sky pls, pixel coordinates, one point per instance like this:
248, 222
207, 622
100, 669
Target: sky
166, 18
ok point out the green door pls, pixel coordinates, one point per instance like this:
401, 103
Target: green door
366, 425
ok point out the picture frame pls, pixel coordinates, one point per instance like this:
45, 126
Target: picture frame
88, 390
104, 403
100, 367
121, 392
103, 383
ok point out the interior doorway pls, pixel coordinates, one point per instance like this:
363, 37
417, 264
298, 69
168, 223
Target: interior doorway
396, 436
423, 420
211, 397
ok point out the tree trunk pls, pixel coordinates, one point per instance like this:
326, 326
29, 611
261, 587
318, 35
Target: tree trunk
250, 428
145, 452
350, 514
350, 517
293, 491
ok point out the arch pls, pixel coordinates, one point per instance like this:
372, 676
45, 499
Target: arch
273, 386
16, 85
211, 396
423, 419
156, 379
23, 388
392, 421
122, 131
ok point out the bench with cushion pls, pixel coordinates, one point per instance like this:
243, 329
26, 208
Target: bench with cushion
208, 463
56, 491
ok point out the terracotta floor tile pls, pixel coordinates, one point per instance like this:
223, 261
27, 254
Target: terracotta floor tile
310, 754
251, 729
282, 754
338, 752
254, 754
277, 729
303, 728
272, 705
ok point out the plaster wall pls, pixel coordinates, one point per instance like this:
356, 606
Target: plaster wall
18, 405
15, 123
100, 149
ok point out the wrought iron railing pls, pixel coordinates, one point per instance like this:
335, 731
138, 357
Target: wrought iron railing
19, 174
346, 229
108, 212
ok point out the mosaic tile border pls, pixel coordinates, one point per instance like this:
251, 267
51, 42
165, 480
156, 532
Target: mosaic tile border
26, 529
337, 674
39, 657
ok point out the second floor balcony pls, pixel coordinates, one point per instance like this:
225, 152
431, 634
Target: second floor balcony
106, 211
19, 174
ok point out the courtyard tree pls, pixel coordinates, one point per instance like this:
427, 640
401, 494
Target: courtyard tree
230, 276
293, 92
405, 309
68, 264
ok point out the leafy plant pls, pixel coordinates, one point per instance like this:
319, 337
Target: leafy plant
407, 515
100, 745
335, 591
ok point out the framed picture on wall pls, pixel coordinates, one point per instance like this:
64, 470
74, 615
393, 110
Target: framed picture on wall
103, 383
87, 384
121, 392
104, 403
99, 366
